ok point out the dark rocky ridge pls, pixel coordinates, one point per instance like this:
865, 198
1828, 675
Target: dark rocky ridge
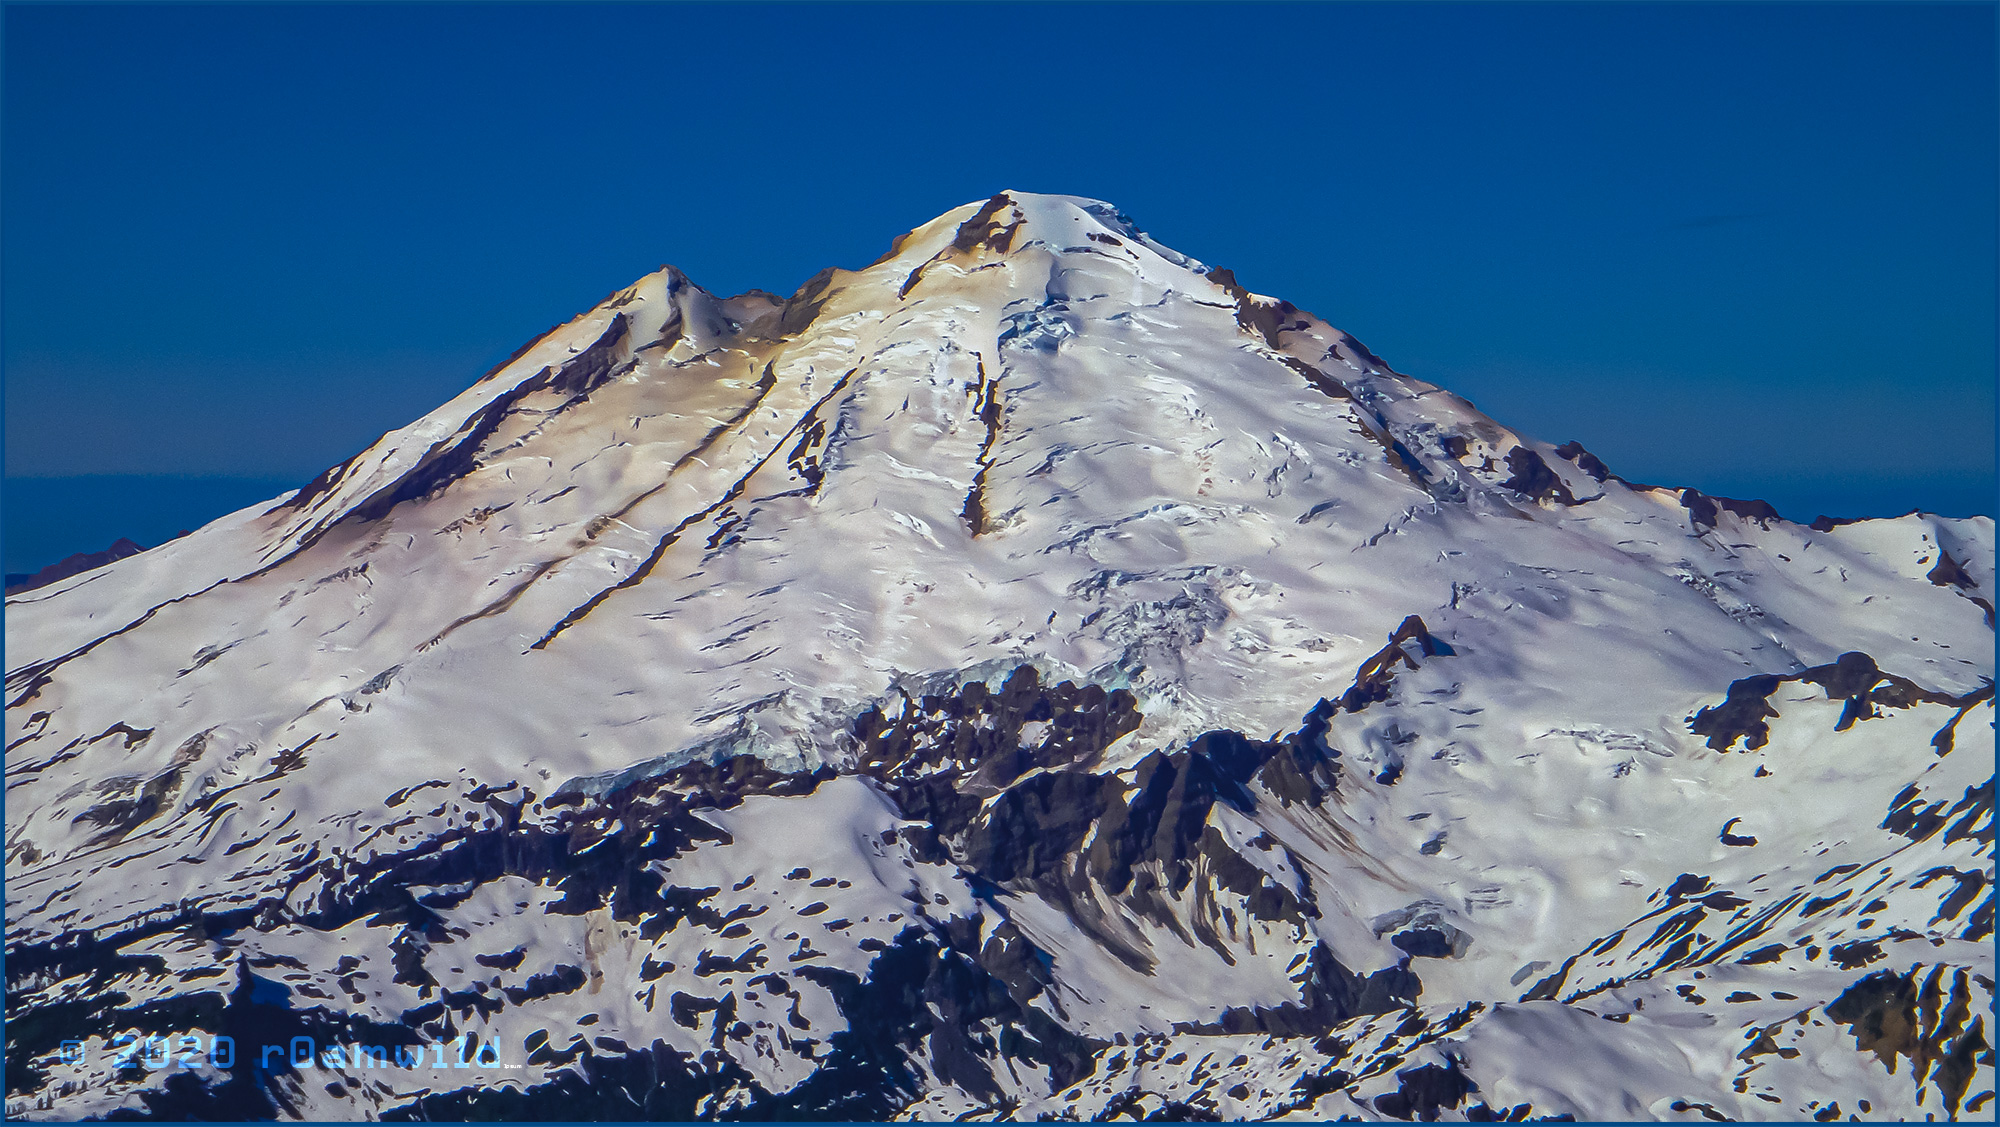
1030, 816
1894, 1015
72, 565
935, 758
1853, 678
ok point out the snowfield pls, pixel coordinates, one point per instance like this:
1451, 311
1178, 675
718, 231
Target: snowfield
1032, 676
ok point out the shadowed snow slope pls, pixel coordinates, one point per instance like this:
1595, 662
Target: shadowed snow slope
1032, 675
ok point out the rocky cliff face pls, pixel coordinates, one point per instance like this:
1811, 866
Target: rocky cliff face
1030, 676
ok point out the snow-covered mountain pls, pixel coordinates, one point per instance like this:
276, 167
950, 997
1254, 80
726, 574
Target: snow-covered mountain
1030, 676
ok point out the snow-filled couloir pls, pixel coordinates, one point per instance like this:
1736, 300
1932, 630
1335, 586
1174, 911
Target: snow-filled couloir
1031, 675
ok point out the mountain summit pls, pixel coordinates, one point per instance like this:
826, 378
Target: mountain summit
1031, 676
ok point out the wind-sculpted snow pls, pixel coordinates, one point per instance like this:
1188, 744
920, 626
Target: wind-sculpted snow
1032, 676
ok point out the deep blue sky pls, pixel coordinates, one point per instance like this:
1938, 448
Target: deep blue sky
1746, 248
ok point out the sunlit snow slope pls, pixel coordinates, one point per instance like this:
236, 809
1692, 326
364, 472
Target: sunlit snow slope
1031, 675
